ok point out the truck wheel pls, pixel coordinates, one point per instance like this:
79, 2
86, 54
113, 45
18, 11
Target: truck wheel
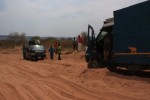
112, 67
93, 64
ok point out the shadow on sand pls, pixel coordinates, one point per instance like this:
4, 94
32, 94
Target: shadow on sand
143, 74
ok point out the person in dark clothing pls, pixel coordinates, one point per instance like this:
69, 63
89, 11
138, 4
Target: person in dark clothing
75, 44
51, 51
23, 51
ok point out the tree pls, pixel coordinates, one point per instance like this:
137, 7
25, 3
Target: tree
16, 38
84, 34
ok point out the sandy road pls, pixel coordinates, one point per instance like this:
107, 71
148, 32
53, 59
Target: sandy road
68, 79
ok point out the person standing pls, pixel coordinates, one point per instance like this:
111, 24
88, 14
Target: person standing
79, 43
23, 51
74, 44
51, 51
59, 51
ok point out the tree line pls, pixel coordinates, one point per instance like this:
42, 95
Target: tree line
16, 39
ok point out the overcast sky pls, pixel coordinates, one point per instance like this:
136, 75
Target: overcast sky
59, 18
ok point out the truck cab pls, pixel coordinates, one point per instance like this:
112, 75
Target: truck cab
95, 51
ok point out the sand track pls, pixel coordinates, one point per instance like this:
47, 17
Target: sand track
68, 79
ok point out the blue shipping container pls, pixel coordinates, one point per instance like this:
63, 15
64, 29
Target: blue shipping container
131, 34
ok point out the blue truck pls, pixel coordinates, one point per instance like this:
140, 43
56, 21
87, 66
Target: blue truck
123, 41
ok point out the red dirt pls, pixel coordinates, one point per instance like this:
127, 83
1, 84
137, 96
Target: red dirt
68, 79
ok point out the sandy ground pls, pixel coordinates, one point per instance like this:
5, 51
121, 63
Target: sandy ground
68, 79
